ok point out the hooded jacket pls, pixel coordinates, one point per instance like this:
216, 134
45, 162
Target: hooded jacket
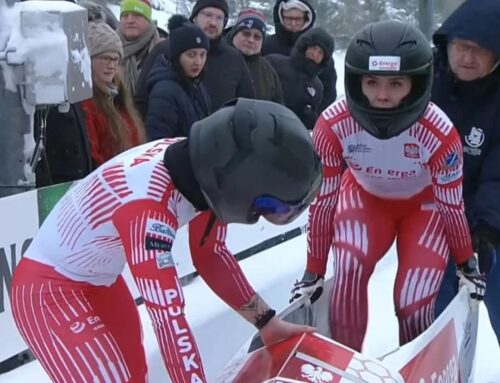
474, 108
283, 41
302, 89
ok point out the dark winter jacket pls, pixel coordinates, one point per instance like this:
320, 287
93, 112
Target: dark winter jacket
265, 80
67, 150
474, 108
302, 89
226, 75
175, 102
282, 43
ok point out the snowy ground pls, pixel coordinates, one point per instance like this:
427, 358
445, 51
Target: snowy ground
283, 263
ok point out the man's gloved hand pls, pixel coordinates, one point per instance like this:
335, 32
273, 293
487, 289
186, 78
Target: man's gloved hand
468, 275
310, 285
484, 240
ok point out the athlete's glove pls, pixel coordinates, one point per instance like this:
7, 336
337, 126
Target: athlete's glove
484, 240
310, 285
468, 275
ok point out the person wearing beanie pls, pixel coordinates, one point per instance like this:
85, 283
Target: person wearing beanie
226, 75
177, 98
247, 36
139, 35
293, 18
302, 88
112, 125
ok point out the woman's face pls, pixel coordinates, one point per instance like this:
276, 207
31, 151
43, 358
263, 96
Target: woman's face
104, 67
385, 91
193, 61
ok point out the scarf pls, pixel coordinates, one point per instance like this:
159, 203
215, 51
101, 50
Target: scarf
134, 52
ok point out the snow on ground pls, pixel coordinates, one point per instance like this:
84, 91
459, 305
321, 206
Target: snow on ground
272, 273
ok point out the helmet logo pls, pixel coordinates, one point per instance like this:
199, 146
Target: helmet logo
384, 63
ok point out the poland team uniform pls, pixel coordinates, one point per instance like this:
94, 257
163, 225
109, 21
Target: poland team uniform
69, 299
374, 190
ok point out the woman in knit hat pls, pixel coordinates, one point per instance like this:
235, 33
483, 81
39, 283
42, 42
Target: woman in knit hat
177, 98
110, 118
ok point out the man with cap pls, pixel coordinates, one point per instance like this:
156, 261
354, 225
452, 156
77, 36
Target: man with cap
139, 36
292, 18
467, 88
247, 35
226, 74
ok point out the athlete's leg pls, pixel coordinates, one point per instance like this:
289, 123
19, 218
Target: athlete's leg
64, 326
422, 254
364, 232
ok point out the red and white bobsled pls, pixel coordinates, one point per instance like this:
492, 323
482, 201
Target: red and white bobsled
444, 353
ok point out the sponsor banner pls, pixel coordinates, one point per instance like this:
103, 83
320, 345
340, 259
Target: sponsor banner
25, 211
20, 224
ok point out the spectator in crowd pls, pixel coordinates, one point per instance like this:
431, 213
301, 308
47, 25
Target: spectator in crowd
226, 74
467, 88
292, 18
110, 118
302, 89
139, 36
247, 36
177, 99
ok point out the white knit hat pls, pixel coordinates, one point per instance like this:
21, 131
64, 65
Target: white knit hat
102, 38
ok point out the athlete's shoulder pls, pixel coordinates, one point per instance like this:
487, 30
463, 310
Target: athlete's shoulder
436, 120
336, 111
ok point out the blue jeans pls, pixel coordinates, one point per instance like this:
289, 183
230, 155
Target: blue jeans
449, 289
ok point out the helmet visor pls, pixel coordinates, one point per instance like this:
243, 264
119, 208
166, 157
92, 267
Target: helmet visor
280, 212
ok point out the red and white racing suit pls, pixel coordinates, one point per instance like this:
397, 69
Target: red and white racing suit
69, 300
373, 191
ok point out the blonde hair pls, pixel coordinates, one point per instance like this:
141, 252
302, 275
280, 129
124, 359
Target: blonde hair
115, 109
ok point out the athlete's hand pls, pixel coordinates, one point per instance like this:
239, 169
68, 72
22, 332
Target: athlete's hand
468, 275
310, 285
277, 329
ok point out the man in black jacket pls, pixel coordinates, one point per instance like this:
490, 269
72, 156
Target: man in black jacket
247, 36
292, 18
467, 88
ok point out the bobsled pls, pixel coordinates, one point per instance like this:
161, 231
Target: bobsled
444, 353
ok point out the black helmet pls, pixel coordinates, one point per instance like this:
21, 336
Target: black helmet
253, 158
388, 48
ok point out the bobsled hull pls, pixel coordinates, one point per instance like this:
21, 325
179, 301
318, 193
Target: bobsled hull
444, 353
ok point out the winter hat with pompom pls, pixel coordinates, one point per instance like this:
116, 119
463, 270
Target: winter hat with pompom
184, 35
102, 38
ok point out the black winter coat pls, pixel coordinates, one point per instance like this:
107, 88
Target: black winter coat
265, 80
175, 102
302, 89
226, 75
282, 43
474, 108
67, 150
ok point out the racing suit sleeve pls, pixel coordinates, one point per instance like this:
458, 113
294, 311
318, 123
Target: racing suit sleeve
445, 167
220, 269
322, 210
147, 230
